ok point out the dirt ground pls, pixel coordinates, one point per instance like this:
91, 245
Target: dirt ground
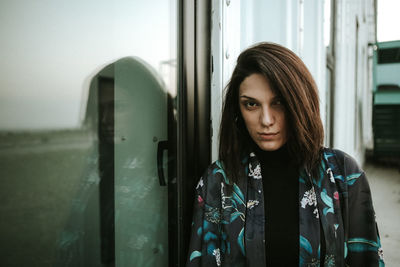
384, 180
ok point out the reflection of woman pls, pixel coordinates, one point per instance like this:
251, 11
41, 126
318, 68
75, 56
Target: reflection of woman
276, 197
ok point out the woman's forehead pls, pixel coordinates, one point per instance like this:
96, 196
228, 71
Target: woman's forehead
256, 85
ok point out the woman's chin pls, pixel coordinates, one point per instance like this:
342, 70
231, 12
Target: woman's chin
270, 145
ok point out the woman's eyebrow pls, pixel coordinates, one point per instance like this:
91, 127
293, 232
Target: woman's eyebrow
248, 97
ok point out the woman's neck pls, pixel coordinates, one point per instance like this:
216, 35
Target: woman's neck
280, 155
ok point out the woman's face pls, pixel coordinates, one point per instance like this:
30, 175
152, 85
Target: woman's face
263, 113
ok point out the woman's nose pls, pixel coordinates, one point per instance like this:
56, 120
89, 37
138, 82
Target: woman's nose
267, 117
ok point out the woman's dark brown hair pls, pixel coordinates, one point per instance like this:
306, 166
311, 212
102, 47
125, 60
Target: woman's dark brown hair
291, 80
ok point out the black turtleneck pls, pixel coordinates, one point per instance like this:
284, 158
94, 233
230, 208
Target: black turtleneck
281, 185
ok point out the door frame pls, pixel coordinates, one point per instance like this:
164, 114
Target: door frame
194, 124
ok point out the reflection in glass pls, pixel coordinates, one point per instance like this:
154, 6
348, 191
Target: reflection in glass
71, 129
141, 232
88, 236
106, 168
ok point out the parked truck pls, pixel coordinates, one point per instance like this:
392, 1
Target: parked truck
386, 99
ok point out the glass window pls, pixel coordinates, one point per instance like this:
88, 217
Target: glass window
86, 95
388, 55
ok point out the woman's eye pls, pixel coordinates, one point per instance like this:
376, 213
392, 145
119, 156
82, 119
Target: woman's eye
251, 104
278, 102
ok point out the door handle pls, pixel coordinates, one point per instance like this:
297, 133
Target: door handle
162, 145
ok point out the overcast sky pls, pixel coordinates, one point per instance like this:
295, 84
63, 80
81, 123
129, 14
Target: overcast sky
54, 47
388, 20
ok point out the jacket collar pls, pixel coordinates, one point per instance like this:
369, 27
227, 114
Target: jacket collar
326, 206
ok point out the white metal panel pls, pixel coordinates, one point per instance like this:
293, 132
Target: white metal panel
217, 73
313, 50
352, 77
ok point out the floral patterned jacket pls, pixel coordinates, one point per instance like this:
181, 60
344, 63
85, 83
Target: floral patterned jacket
228, 221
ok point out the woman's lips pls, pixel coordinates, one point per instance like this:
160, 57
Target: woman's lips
267, 136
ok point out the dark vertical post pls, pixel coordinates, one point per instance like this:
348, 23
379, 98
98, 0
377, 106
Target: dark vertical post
106, 168
194, 138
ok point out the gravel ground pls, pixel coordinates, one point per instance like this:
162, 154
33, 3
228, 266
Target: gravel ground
384, 180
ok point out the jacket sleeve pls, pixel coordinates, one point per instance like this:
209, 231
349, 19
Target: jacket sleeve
205, 235
363, 243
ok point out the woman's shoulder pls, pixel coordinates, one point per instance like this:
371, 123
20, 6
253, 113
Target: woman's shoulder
341, 156
343, 162
214, 174
338, 153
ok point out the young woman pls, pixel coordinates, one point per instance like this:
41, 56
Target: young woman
276, 196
